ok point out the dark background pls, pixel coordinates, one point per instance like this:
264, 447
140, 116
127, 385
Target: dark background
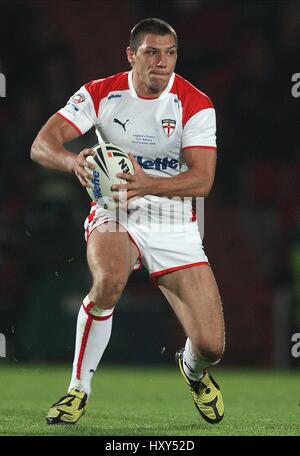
243, 54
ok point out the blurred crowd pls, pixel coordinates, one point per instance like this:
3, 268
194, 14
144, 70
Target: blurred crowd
243, 55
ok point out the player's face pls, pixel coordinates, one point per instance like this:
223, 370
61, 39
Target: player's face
153, 64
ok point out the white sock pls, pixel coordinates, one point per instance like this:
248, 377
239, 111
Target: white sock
193, 365
92, 336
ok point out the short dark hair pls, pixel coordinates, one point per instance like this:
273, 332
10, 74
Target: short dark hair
149, 25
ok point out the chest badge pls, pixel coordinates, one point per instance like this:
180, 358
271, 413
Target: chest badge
169, 126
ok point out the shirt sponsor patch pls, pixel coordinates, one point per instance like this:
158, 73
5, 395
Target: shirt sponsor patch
114, 95
72, 107
158, 164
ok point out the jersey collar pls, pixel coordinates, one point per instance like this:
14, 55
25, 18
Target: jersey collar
162, 95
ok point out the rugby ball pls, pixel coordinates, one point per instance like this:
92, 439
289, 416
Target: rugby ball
109, 160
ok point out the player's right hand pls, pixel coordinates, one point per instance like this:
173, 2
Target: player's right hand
79, 167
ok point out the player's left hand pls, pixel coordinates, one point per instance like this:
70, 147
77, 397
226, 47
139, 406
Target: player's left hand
138, 184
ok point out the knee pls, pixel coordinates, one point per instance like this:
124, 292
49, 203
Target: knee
209, 349
107, 289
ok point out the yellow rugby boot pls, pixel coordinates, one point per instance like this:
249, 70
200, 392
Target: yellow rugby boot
68, 409
206, 393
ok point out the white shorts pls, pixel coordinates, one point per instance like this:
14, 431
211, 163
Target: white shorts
160, 251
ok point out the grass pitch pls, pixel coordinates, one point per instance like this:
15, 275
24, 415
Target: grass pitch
148, 402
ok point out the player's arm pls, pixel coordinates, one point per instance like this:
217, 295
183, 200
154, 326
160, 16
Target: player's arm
196, 181
48, 149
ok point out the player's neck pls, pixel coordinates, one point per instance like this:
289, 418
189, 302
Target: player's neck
142, 90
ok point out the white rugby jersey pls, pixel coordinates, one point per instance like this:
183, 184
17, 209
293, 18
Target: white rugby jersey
155, 131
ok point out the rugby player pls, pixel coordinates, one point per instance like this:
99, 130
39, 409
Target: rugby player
169, 127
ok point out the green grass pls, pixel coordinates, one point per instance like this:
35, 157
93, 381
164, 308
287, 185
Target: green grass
149, 402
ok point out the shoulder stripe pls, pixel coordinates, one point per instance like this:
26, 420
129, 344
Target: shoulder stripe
192, 99
70, 122
199, 147
100, 88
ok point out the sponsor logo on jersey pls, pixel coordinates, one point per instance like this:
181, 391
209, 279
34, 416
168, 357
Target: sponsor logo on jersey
114, 95
72, 107
78, 98
123, 125
158, 164
168, 126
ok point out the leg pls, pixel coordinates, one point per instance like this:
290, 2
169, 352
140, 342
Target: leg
111, 257
194, 296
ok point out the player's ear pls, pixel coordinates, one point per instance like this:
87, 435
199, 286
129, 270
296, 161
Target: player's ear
130, 55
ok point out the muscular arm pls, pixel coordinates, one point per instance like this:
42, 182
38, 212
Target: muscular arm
48, 149
196, 181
